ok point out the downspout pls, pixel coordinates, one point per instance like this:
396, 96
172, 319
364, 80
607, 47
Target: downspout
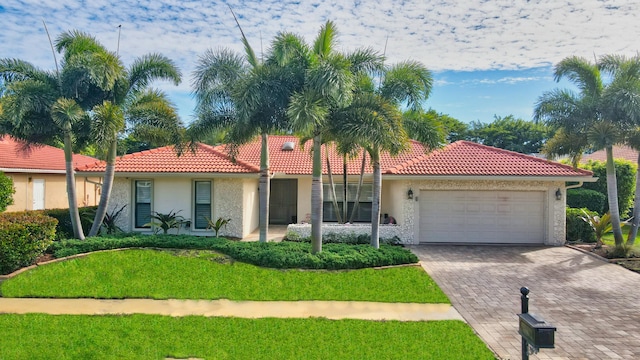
579, 184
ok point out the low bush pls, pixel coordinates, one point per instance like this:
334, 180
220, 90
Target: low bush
337, 238
6, 191
577, 228
64, 230
23, 237
586, 198
274, 255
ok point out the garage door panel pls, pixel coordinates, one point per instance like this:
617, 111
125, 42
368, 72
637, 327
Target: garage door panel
482, 216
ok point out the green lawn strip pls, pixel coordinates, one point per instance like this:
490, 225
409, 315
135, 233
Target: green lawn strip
163, 275
39, 336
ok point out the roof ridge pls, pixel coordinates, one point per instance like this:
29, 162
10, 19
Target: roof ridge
529, 157
223, 154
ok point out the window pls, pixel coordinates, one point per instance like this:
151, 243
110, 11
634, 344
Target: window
363, 214
143, 203
202, 203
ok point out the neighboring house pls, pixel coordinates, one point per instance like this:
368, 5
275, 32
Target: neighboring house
38, 174
462, 193
619, 152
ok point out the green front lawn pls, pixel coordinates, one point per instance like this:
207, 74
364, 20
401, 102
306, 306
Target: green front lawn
38, 336
206, 275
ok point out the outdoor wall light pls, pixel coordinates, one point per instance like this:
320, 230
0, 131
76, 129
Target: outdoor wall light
558, 194
410, 194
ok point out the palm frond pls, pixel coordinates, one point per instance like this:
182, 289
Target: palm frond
152, 67
408, 82
582, 73
108, 121
325, 41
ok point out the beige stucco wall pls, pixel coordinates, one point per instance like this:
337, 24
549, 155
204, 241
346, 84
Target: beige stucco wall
410, 211
304, 199
55, 191
176, 193
251, 206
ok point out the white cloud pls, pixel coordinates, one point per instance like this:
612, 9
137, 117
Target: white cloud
443, 34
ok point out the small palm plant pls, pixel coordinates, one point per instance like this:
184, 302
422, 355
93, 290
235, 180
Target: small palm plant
166, 222
217, 225
600, 225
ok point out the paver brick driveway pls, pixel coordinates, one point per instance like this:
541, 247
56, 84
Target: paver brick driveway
595, 305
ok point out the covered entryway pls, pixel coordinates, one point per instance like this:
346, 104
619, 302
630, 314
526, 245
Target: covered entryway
283, 204
466, 216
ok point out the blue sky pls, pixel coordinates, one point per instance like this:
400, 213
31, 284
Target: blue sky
488, 57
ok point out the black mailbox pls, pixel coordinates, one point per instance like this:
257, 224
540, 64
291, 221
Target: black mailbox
536, 331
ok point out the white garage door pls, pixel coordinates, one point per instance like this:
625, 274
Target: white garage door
507, 217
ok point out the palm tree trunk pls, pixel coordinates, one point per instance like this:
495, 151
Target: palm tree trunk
107, 185
334, 199
316, 197
612, 192
78, 233
265, 188
345, 201
635, 220
357, 202
375, 202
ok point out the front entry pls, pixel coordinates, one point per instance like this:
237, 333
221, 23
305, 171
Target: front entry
283, 205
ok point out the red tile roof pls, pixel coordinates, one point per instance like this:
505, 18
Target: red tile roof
619, 152
469, 158
205, 159
14, 155
459, 158
299, 162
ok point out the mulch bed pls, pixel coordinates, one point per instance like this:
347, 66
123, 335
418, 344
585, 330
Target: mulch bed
606, 253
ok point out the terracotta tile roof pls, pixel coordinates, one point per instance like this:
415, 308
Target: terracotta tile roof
299, 162
459, 158
206, 159
469, 158
619, 152
14, 155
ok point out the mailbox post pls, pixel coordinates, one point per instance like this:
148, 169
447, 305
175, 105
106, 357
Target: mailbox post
535, 331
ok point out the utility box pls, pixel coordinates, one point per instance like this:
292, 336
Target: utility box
538, 333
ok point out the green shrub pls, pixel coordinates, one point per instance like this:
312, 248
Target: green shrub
6, 191
23, 237
64, 230
274, 255
577, 228
625, 177
586, 198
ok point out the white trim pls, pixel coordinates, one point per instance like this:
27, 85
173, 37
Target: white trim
33, 171
171, 174
584, 178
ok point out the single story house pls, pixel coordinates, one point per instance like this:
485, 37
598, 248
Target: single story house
462, 193
39, 176
619, 152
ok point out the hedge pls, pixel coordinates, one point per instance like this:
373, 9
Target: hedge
586, 198
625, 177
274, 255
23, 237
64, 230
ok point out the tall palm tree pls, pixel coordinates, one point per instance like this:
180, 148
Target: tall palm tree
247, 97
86, 73
134, 103
595, 117
622, 106
375, 121
329, 82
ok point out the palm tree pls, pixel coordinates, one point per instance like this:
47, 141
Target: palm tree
246, 97
622, 100
132, 102
596, 117
375, 121
329, 81
32, 96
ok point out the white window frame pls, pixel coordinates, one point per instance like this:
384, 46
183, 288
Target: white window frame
194, 203
135, 202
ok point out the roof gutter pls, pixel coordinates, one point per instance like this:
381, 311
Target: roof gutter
581, 179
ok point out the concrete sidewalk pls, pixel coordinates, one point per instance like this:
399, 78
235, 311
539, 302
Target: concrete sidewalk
362, 310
